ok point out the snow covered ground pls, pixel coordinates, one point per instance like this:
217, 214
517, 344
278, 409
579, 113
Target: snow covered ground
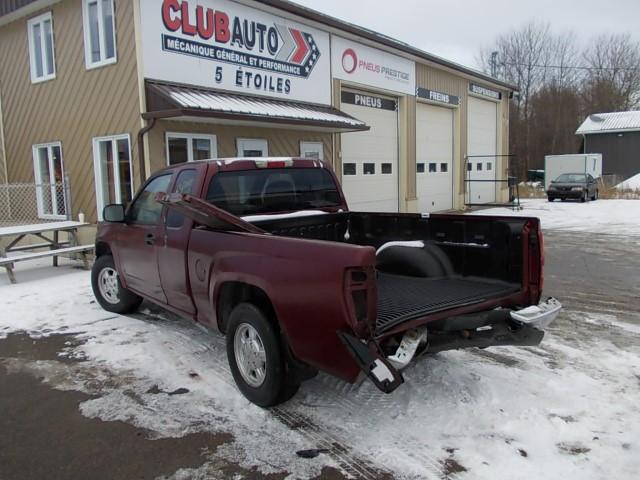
632, 183
569, 409
620, 217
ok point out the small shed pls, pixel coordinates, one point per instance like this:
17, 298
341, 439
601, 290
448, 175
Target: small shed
617, 137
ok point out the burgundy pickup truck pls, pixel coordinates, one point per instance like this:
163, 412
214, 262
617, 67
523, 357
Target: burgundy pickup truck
267, 252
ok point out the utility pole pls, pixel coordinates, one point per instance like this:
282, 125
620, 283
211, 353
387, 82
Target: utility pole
494, 64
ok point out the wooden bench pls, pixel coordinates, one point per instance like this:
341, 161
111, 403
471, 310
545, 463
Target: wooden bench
9, 262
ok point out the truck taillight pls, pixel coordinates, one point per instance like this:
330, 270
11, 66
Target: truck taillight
536, 263
541, 241
360, 294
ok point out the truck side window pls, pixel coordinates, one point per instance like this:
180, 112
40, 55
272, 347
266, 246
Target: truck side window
145, 210
184, 184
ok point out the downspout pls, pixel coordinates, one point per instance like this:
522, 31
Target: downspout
2, 144
141, 134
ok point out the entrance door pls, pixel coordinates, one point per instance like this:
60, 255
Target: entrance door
370, 159
112, 168
482, 150
434, 156
251, 147
49, 174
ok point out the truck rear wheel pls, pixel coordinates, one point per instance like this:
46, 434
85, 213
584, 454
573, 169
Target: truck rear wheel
108, 290
256, 358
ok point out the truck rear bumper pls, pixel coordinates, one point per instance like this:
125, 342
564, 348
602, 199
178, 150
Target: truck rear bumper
499, 327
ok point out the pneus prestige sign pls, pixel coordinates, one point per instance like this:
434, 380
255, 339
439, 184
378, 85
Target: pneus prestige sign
224, 45
358, 63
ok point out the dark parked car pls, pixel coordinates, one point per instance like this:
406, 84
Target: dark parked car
266, 251
576, 186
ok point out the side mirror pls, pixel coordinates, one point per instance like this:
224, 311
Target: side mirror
113, 213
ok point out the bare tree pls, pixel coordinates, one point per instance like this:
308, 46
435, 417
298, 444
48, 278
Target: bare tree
559, 85
612, 82
523, 59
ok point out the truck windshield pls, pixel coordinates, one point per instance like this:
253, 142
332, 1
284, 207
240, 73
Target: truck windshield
252, 192
571, 178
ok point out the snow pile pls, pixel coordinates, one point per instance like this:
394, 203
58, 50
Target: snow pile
632, 183
569, 408
620, 217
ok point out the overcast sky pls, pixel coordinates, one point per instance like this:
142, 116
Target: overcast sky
456, 29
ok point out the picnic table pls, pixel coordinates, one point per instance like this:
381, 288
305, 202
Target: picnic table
55, 246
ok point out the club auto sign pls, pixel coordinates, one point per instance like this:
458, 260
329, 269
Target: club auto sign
225, 45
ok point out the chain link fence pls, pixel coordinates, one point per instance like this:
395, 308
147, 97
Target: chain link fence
26, 203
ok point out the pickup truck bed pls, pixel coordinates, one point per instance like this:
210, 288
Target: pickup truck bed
480, 276
402, 298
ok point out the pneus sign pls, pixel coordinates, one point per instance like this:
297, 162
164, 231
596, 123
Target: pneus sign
358, 63
224, 45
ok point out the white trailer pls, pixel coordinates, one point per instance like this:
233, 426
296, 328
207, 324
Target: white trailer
556, 165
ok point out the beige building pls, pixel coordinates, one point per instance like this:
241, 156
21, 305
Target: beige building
105, 92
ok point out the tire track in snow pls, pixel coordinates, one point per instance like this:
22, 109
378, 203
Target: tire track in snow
353, 463
353, 399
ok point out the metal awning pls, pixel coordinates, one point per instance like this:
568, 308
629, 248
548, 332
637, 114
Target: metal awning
165, 101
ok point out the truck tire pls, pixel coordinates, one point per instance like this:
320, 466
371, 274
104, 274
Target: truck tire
108, 290
256, 358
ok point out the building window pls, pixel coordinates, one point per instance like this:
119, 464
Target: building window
41, 50
112, 167
420, 168
369, 168
252, 148
312, 150
387, 169
489, 166
99, 33
48, 170
187, 147
349, 169
444, 167
433, 167
479, 167
469, 167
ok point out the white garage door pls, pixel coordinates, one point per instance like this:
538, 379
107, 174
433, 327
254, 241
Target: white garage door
482, 147
434, 158
370, 159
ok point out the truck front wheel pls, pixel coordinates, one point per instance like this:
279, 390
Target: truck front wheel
256, 359
108, 290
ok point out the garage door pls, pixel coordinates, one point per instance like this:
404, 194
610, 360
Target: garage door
434, 158
482, 147
370, 159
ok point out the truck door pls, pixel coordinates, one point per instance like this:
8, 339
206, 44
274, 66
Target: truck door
172, 259
141, 239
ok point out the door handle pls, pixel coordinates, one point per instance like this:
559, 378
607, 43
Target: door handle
150, 239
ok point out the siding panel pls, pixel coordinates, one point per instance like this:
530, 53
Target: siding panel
73, 108
620, 152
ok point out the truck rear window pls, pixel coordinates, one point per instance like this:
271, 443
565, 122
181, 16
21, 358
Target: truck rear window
252, 192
